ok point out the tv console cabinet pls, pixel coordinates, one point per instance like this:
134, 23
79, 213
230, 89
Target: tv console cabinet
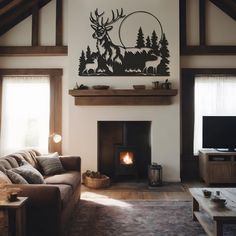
217, 167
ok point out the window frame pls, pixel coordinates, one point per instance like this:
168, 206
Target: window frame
55, 78
189, 161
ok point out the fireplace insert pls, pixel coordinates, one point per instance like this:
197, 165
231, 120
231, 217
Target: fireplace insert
125, 161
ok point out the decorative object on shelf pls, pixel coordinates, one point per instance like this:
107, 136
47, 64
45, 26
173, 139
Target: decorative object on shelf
12, 197
139, 53
166, 85
156, 84
154, 175
139, 86
83, 87
80, 87
101, 87
96, 180
76, 86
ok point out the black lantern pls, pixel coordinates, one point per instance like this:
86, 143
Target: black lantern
154, 175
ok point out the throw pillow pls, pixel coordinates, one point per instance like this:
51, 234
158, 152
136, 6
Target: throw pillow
15, 178
51, 164
29, 173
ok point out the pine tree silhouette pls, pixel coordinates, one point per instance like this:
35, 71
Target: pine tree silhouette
88, 55
148, 42
140, 39
82, 63
163, 67
154, 42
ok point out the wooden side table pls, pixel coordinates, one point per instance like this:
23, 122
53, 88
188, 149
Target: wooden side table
16, 209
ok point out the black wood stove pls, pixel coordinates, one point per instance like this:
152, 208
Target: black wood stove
125, 158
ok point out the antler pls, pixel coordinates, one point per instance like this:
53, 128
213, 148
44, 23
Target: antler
97, 15
114, 19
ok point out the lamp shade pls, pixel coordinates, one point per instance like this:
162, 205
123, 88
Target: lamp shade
56, 138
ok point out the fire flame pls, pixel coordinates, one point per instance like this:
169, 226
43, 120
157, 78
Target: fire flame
127, 159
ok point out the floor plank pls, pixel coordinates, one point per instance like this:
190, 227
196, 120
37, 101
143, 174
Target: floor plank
140, 191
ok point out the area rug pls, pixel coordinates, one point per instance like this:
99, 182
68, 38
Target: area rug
108, 217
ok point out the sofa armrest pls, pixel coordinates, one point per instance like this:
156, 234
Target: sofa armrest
40, 194
71, 162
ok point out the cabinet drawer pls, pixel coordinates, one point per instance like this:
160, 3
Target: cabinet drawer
219, 158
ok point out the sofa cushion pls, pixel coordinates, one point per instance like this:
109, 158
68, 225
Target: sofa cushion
5, 164
27, 156
12, 161
4, 179
50, 164
2, 169
29, 173
71, 178
15, 177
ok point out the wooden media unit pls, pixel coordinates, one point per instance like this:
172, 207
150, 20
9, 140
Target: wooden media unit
217, 167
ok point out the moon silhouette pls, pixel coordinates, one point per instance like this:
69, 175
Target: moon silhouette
130, 25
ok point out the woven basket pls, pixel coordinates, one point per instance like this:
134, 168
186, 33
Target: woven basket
102, 182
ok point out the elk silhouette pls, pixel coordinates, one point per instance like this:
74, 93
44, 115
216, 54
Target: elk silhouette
115, 59
109, 54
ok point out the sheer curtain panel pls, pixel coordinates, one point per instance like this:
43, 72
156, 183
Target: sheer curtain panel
25, 113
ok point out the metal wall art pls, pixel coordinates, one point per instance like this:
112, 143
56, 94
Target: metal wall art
146, 54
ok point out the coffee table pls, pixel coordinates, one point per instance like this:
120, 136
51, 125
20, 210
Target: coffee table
208, 214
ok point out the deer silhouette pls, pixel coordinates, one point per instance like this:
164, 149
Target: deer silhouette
152, 64
91, 67
108, 52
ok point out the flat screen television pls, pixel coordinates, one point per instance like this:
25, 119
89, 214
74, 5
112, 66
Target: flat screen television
219, 132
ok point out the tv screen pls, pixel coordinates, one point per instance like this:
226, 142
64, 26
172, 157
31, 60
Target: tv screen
219, 132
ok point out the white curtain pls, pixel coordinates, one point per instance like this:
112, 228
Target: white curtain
214, 96
25, 113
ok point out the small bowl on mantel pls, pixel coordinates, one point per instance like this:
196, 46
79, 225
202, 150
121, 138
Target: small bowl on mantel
101, 87
139, 86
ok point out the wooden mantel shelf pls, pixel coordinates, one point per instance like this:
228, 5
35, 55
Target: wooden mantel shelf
93, 97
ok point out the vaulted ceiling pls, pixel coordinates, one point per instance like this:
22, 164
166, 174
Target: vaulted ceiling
228, 6
14, 11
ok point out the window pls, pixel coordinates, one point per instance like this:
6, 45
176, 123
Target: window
189, 161
25, 113
215, 96
30, 109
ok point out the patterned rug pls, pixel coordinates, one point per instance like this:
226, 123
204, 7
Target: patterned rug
108, 217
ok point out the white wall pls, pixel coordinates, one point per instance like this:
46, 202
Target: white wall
79, 123
165, 119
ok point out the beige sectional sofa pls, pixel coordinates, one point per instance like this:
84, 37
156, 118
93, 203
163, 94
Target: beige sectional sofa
51, 203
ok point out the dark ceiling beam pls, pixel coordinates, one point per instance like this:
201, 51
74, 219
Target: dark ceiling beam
35, 26
9, 6
3, 3
19, 13
228, 6
33, 51
202, 22
59, 22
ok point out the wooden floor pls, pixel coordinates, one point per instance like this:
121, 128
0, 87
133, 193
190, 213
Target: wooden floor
141, 191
